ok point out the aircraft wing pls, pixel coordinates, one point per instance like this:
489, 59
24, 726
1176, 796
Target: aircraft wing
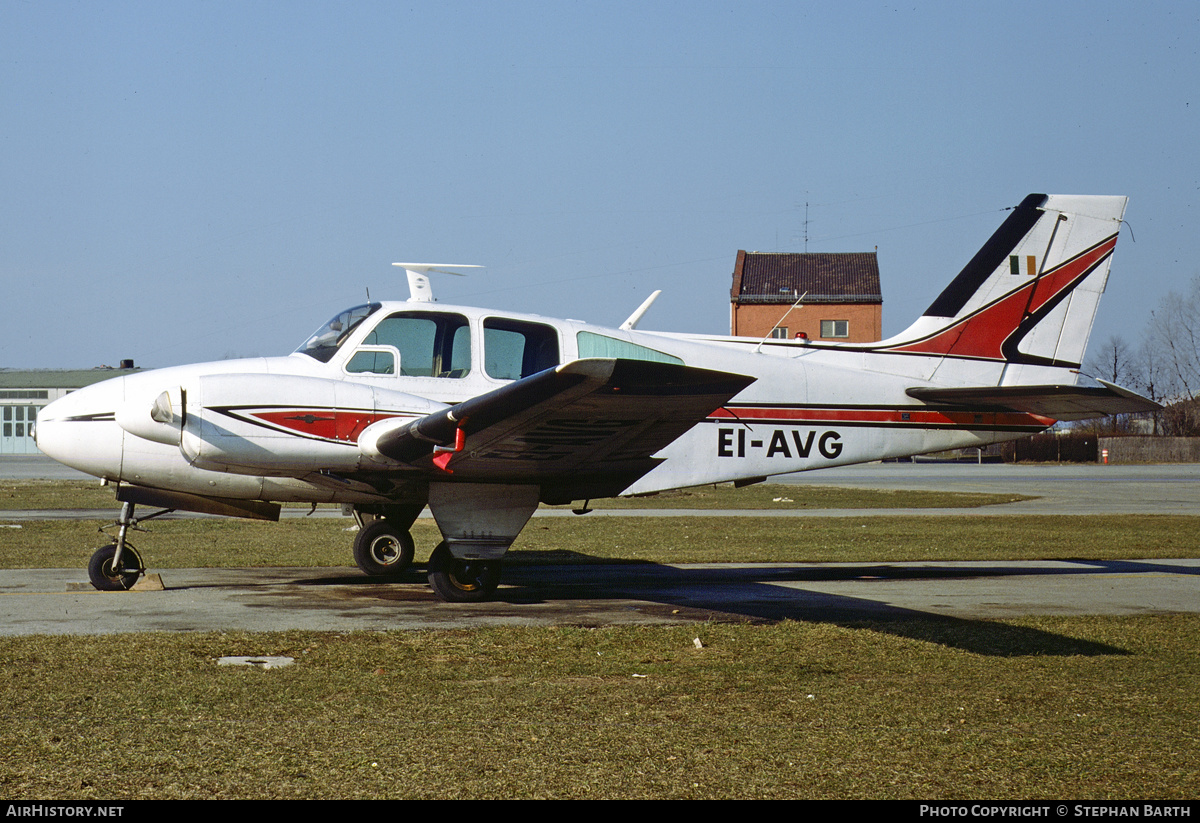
584, 429
1058, 402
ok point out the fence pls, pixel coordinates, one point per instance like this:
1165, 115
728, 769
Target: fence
1151, 449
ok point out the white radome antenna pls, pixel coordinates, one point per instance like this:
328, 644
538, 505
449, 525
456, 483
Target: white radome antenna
419, 290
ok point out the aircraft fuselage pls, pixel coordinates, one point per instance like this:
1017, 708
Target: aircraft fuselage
481, 415
287, 428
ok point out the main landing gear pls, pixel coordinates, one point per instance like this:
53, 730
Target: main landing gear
478, 522
382, 550
462, 581
383, 546
117, 566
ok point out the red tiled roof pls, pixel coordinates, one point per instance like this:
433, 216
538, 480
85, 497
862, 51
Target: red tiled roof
850, 277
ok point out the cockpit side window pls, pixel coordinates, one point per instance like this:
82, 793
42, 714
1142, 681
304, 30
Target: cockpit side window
325, 342
430, 344
513, 349
372, 361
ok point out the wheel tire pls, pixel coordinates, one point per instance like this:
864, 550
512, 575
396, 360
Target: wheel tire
462, 581
100, 570
381, 550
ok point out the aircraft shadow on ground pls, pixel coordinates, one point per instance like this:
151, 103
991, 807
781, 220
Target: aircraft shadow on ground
751, 594
748, 593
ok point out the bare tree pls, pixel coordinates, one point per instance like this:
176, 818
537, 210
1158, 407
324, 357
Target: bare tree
1117, 363
1114, 362
1169, 361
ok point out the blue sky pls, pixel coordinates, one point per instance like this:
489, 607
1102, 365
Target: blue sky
189, 181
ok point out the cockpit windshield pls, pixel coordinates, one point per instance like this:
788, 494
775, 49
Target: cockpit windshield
328, 339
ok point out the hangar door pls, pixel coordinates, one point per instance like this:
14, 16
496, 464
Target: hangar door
16, 429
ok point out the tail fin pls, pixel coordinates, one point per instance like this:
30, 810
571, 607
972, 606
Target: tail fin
1030, 294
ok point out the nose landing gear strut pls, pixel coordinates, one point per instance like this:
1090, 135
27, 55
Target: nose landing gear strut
117, 566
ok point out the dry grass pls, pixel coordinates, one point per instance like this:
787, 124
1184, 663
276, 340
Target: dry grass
1102, 708
1053, 707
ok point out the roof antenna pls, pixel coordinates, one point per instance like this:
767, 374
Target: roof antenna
805, 235
633, 319
806, 227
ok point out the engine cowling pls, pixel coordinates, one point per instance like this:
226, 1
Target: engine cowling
154, 417
283, 424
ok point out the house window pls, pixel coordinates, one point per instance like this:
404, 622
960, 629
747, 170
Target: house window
835, 328
779, 333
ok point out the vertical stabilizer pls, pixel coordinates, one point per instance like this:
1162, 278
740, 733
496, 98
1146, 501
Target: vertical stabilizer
1030, 294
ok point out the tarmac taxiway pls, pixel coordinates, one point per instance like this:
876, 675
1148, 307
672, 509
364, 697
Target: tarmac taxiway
59, 601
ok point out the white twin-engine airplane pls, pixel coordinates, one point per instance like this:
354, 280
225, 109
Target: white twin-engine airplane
482, 415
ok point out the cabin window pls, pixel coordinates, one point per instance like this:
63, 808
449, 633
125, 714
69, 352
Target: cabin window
835, 328
599, 345
428, 344
513, 349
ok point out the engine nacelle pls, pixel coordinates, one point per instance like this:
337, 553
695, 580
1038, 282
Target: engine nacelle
157, 417
275, 423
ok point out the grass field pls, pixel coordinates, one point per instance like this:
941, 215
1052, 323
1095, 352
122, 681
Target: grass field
1051, 707
1096, 708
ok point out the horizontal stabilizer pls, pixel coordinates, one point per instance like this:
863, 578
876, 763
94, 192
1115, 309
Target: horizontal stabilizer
1058, 402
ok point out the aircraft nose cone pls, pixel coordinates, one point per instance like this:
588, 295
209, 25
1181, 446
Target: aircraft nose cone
48, 428
80, 431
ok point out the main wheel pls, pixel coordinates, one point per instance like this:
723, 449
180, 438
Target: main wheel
381, 549
462, 581
102, 575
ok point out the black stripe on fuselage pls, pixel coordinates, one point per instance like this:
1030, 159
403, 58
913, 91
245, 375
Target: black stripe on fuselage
98, 417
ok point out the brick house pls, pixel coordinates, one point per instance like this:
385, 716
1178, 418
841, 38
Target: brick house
842, 299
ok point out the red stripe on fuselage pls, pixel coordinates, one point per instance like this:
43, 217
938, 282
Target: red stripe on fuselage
866, 417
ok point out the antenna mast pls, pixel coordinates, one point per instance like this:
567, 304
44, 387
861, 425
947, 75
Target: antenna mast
806, 227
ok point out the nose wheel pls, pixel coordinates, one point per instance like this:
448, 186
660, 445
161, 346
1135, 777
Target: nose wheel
117, 566
108, 574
